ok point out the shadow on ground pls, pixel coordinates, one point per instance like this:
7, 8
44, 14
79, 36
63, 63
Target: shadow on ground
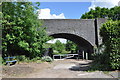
81, 67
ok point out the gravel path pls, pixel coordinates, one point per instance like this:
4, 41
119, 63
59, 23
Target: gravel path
56, 69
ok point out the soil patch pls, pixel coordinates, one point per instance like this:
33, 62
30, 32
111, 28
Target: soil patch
69, 68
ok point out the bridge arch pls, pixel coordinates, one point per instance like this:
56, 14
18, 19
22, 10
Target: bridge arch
83, 32
83, 44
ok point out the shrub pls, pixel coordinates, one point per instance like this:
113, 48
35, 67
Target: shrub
22, 58
35, 59
38, 61
110, 32
47, 59
107, 55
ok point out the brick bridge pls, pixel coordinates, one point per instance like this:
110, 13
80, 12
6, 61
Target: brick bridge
83, 32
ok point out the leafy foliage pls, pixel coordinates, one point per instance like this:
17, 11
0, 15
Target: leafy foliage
61, 48
22, 58
58, 46
47, 59
70, 46
110, 33
109, 57
21, 31
113, 13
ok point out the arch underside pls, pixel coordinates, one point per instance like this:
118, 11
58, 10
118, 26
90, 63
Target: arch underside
83, 44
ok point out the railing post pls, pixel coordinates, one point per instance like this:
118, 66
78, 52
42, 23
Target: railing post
83, 54
86, 56
60, 56
53, 57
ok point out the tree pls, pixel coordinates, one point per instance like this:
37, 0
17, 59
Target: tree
70, 46
21, 31
113, 13
59, 46
110, 32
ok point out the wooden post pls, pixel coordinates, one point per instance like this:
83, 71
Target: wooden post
53, 57
86, 56
83, 54
60, 56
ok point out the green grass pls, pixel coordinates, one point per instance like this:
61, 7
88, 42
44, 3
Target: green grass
91, 70
106, 72
39, 61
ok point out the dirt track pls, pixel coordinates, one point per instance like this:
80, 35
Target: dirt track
56, 69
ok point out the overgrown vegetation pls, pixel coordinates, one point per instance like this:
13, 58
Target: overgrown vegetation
110, 33
21, 31
107, 56
47, 59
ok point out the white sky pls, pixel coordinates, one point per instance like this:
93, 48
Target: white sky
104, 3
45, 14
54, 40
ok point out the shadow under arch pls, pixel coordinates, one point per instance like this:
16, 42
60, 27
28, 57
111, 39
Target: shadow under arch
83, 44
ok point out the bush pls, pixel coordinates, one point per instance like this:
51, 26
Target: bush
107, 56
47, 59
35, 59
110, 32
101, 62
22, 58
38, 61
